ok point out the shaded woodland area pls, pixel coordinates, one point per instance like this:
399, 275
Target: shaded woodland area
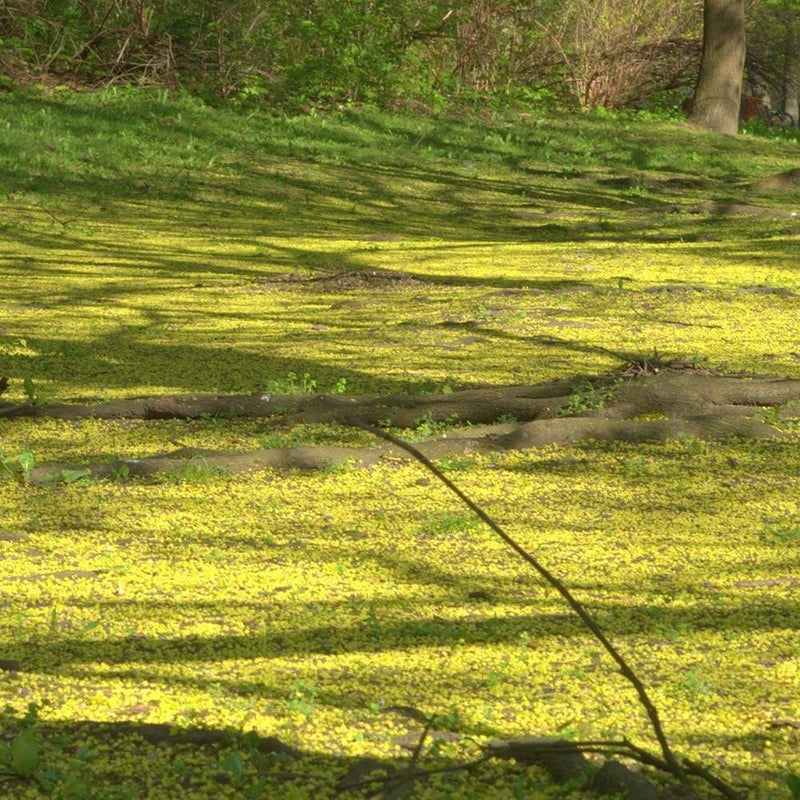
404, 55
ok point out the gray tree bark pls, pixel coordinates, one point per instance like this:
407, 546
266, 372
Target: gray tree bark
719, 85
791, 74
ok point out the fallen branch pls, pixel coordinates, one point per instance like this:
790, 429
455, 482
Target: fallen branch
671, 763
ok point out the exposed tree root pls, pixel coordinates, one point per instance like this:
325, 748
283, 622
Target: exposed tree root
655, 406
781, 181
673, 392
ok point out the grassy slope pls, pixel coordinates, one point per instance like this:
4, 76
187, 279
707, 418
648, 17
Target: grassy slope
142, 245
150, 226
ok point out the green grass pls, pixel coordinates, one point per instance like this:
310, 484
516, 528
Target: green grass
147, 241
152, 244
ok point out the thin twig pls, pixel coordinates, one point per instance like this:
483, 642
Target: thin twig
395, 776
418, 748
673, 764
723, 788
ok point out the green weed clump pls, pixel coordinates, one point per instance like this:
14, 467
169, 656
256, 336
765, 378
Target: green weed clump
588, 397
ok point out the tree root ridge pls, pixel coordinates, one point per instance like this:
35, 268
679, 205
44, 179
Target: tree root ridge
676, 392
658, 406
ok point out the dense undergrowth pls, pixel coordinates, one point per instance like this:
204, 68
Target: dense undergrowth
153, 245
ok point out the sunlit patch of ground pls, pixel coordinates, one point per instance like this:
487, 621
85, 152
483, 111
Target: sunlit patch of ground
330, 255
245, 603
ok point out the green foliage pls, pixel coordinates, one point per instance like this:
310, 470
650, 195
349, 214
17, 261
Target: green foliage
304, 384
233, 766
449, 523
427, 426
17, 467
75, 475
693, 683
440, 56
195, 470
21, 757
780, 417
302, 697
780, 536
586, 396
455, 463
762, 128
29, 388
54, 765
451, 720
25, 753
793, 782
120, 474
343, 467
216, 421
311, 434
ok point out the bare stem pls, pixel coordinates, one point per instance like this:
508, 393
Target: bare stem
670, 759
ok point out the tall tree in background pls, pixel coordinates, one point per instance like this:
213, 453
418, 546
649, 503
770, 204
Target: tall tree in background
719, 87
791, 71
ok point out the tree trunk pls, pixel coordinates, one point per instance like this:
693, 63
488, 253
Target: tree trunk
791, 73
719, 86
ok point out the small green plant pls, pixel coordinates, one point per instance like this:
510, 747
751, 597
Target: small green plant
340, 387
23, 630
778, 418
426, 425
780, 536
376, 706
21, 756
483, 314
506, 419
450, 721
586, 396
497, 677
17, 468
455, 463
80, 476
449, 523
302, 697
343, 467
23, 753
29, 388
195, 470
292, 384
216, 421
635, 466
232, 766
27, 762
692, 445
26, 461
120, 474
693, 683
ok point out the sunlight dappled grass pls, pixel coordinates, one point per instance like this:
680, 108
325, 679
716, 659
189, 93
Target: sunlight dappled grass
150, 245
205, 604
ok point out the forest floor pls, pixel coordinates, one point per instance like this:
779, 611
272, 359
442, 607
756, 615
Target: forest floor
216, 585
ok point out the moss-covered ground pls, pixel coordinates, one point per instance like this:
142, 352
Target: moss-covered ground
154, 245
